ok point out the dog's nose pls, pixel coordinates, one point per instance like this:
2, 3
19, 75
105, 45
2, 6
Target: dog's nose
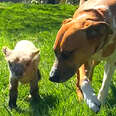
52, 79
54, 76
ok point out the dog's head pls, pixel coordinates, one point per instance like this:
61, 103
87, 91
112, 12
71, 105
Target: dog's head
20, 62
75, 43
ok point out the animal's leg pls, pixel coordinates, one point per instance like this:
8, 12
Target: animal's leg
87, 90
78, 89
38, 74
13, 93
34, 86
34, 89
82, 73
108, 72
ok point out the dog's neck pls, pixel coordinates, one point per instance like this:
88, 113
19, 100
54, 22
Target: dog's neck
99, 14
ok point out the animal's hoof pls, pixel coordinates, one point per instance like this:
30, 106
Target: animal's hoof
11, 106
37, 97
90, 97
34, 97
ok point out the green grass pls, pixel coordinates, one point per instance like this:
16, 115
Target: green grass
39, 24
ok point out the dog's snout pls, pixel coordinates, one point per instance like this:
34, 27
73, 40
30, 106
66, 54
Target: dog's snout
54, 75
53, 79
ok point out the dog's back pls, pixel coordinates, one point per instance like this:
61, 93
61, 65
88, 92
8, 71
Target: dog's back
97, 4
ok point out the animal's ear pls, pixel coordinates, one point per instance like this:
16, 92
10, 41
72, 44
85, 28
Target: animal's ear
6, 51
98, 29
67, 21
36, 52
35, 55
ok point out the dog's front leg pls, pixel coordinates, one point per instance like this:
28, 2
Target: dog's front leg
81, 76
78, 89
88, 93
85, 70
108, 72
13, 93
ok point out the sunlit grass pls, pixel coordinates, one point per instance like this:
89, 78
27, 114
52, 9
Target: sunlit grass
39, 24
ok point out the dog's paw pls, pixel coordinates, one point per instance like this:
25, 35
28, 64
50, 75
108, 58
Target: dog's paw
90, 97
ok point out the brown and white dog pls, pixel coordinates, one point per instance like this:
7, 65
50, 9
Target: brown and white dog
81, 43
23, 63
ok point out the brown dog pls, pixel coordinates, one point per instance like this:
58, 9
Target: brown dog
23, 64
81, 43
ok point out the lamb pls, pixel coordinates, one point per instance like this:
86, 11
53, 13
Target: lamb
23, 63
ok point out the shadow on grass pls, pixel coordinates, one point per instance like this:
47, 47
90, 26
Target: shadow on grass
39, 107
42, 106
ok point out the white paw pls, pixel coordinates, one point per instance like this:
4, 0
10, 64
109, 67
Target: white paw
90, 97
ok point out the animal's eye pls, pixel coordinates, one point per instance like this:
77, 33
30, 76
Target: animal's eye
66, 55
28, 63
17, 60
10, 64
92, 32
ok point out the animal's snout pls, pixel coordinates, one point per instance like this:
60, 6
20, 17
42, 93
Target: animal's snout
17, 69
18, 73
61, 74
54, 75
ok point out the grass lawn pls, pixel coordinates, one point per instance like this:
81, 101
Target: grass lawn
39, 24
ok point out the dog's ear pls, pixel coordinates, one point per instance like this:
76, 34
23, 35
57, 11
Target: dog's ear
100, 32
67, 21
6, 51
98, 29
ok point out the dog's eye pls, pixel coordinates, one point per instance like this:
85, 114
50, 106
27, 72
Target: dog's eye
66, 55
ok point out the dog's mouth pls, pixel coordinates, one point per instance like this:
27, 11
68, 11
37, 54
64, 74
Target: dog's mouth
59, 76
57, 80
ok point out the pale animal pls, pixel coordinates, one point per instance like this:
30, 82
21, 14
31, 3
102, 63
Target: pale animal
23, 63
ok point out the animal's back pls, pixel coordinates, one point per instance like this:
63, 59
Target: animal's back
96, 4
25, 45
